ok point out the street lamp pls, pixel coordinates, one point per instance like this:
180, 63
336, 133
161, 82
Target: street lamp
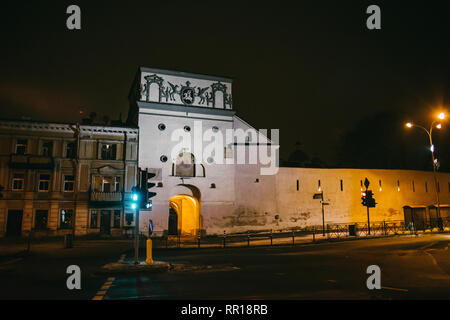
429, 132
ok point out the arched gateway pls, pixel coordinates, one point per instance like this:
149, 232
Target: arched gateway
184, 215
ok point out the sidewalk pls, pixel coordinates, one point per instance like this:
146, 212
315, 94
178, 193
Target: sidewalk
257, 240
10, 249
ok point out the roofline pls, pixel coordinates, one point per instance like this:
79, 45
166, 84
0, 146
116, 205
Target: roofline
65, 124
186, 74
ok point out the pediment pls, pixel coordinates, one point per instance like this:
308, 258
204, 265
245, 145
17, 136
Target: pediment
107, 170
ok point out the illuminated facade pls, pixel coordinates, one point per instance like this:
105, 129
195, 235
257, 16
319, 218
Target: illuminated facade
61, 178
237, 197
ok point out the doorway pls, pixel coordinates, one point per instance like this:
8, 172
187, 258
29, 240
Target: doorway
105, 222
14, 225
173, 223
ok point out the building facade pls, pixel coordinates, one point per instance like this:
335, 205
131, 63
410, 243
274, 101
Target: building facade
62, 178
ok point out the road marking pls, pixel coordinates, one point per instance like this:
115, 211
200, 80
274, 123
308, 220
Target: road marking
102, 292
395, 289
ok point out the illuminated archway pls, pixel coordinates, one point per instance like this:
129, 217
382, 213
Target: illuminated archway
187, 209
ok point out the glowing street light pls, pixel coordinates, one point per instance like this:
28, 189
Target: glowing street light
441, 116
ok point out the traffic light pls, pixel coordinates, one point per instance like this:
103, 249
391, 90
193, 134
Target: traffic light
145, 186
135, 198
367, 199
370, 200
364, 199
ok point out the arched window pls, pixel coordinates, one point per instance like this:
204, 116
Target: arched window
185, 165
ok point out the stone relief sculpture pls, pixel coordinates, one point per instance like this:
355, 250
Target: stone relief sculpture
201, 94
173, 90
193, 95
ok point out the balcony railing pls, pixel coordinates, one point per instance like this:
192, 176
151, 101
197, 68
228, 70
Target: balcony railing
18, 161
106, 196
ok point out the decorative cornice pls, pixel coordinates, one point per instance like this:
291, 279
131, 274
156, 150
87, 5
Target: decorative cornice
65, 128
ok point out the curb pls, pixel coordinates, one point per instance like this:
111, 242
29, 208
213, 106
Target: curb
118, 268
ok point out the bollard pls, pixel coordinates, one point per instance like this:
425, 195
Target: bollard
293, 237
198, 241
149, 259
271, 236
314, 234
248, 238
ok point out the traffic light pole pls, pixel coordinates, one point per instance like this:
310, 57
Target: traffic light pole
368, 217
323, 219
136, 238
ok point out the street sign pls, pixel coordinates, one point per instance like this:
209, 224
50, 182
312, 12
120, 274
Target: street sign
318, 196
366, 183
325, 204
150, 227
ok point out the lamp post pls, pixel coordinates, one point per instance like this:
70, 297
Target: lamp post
429, 132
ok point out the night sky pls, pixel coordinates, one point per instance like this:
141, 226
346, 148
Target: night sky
310, 68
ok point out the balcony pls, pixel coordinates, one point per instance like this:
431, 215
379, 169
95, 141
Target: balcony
19, 161
106, 196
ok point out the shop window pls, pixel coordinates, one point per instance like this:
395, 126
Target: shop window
41, 220
116, 219
66, 219
70, 150
94, 219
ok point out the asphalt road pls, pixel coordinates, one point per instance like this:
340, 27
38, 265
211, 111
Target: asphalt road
412, 267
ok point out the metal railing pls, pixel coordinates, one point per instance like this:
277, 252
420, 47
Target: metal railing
292, 236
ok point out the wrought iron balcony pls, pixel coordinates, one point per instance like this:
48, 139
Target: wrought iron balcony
106, 196
19, 161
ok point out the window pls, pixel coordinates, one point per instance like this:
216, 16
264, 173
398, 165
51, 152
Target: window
298, 185
21, 146
106, 184
18, 181
379, 182
70, 150
163, 158
398, 185
117, 184
44, 182
413, 186
426, 186
185, 165
94, 219
109, 151
47, 148
40, 222
66, 219
116, 219
319, 187
161, 126
438, 187
68, 183
342, 185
